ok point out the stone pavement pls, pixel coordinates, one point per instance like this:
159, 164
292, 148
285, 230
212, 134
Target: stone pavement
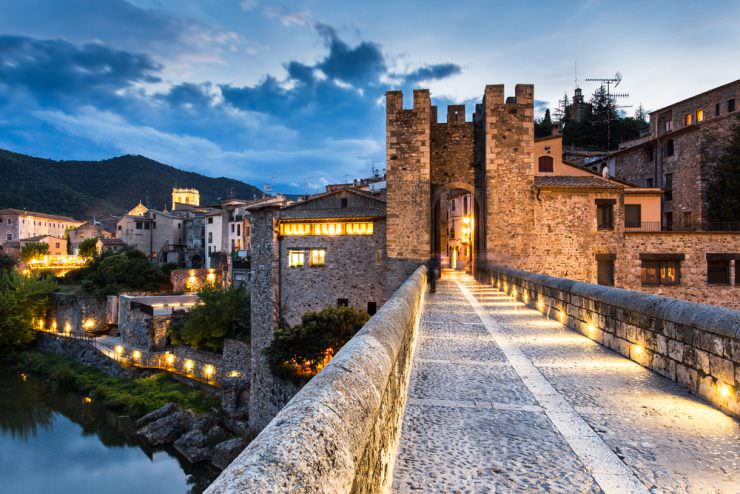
504, 400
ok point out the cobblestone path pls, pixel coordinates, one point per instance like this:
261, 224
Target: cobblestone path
503, 400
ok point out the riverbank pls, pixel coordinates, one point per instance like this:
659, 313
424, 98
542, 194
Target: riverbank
136, 396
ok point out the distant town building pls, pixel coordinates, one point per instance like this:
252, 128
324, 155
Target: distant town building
57, 245
86, 231
189, 197
18, 224
159, 234
680, 155
579, 110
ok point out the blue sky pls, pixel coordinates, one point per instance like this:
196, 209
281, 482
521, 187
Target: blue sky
291, 93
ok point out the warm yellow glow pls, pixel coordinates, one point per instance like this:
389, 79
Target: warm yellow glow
67, 327
466, 220
87, 400
41, 324
24, 376
208, 370
540, 305
724, 390
211, 278
562, 316
189, 364
317, 257
89, 323
591, 329
54, 325
638, 349
699, 115
235, 373
136, 355
326, 228
192, 280
170, 359
296, 258
118, 349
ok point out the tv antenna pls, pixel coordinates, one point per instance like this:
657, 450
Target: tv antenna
608, 81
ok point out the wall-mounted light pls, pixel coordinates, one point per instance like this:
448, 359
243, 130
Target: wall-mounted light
118, 349
724, 390
189, 364
136, 355
170, 359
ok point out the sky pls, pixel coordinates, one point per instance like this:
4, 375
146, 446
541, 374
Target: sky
291, 94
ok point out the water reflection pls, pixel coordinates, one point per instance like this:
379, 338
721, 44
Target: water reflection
53, 441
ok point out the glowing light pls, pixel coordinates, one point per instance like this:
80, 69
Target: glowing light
41, 324
170, 359
208, 370
54, 325
235, 373
466, 220
89, 324
24, 376
638, 349
189, 364
724, 390
562, 316
118, 349
67, 327
591, 329
540, 305
136, 355
87, 400
211, 278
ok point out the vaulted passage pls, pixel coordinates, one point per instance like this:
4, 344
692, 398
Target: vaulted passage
504, 400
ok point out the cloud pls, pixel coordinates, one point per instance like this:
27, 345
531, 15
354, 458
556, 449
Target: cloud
430, 73
113, 22
287, 17
51, 69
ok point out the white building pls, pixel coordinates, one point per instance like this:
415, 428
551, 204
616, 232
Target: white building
17, 224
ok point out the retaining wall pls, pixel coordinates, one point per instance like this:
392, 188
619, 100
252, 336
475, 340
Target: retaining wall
339, 434
696, 345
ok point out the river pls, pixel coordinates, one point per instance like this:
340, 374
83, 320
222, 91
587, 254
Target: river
57, 442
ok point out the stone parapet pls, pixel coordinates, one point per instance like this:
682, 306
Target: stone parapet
340, 432
694, 344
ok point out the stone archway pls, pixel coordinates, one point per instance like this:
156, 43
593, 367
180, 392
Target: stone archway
455, 229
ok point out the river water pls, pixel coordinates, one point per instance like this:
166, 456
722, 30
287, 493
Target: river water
57, 442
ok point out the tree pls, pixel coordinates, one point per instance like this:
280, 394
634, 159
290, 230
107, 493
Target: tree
112, 273
21, 300
723, 191
223, 313
543, 127
300, 352
33, 250
88, 248
641, 114
7, 263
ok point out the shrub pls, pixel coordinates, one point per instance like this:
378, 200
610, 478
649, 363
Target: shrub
300, 352
223, 313
88, 248
7, 263
21, 300
114, 272
33, 250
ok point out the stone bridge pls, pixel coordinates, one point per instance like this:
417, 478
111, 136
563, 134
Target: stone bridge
513, 383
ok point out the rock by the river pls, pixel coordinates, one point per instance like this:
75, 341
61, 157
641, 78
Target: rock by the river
225, 452
167, 429
193, 445
156, 414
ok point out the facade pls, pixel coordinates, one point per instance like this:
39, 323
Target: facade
158, 234
84, 232
143, 320
680, 155
57, 245
17, 224
187, 197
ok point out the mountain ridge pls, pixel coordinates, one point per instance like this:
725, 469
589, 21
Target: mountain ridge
112, 186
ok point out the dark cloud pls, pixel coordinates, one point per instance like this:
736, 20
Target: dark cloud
358, 66
51, 69
431, 72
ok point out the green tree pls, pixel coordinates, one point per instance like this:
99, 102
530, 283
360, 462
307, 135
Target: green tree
723, 192
223, 313
299, 353
21, 300
543, 127
7, 263
112, 273
88, 248
34, 249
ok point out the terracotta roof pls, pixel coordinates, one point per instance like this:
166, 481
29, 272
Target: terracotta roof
22, 212
561, 182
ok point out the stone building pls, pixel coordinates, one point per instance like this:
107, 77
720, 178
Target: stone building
18, 224
86, 231
57, 245
143, 320
159, 234
579, 110
185, 197
680, 155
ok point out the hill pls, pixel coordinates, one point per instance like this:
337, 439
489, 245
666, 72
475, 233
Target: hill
83, 189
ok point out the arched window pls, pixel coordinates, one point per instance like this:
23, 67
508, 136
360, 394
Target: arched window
545, 164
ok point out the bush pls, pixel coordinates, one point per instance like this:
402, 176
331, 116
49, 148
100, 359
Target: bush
33, 250
223, 313
300, 352
21, 300
88, 248
136, 396
7, 263
114, 272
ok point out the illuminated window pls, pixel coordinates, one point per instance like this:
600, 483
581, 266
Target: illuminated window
687, 119
699, 115
299, 229
661, 269
317, 257
296, 258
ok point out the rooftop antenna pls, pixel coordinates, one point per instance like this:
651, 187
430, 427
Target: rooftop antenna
575, 73
608, 81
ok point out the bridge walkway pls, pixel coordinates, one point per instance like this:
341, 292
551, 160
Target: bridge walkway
504, 400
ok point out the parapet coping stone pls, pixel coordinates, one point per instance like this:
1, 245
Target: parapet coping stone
716, 320
315, 443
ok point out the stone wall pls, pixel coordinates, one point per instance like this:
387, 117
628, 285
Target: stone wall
193, 280
696, 345
694, 246
82, 313
340, 433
